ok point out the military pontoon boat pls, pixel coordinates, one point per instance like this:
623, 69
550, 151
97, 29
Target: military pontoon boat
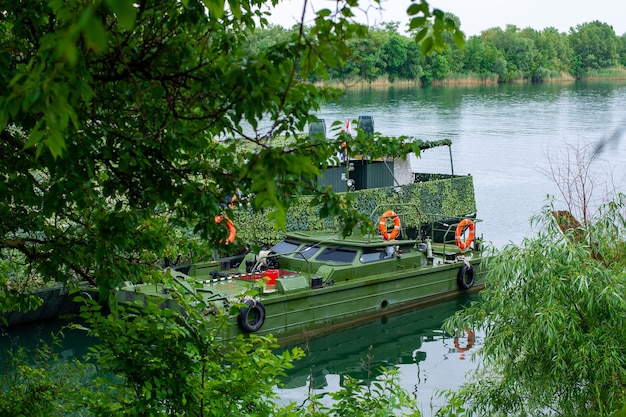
314, 280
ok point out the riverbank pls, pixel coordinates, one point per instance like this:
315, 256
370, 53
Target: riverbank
617, 73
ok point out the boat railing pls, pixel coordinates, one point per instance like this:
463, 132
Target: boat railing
440, 230
399, 209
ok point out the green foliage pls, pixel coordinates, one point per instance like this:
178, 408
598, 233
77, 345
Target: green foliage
125, 127
429, 27
553, 313
395, 55
374, 399
155, 361
595, 44
507, 55
381, 397
113, 155
147, 381
17, 284
40, 383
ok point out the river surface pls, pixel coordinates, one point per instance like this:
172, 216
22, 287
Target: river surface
506, 137
428, 360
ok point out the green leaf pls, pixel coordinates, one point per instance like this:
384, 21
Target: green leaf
216, 7
235, 8
95, 36
55, 142
417, 8
4, 116
34, 137
126, 12
459, 38
428, 45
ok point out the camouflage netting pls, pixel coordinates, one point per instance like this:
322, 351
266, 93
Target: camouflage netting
434, 198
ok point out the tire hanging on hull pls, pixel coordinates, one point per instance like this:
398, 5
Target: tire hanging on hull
466, 276
252, 317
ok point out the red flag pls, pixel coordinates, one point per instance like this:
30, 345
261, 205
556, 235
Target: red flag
348, 127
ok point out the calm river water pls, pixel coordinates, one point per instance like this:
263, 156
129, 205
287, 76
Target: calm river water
505, 136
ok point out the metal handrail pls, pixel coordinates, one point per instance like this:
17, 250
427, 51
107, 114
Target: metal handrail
432, 222
399, 213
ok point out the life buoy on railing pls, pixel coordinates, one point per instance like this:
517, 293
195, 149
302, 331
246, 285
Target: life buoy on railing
458, 236
252, 317
382, 225
471, 338
232, 232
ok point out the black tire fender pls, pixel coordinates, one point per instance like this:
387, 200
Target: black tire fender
252, 317
466, 276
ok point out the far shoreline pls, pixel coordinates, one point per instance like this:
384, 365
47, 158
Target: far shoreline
611, 74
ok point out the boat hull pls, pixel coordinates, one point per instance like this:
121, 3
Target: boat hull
313, 311
56, 301
294, 309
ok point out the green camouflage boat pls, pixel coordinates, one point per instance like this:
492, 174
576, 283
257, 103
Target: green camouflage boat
316, 281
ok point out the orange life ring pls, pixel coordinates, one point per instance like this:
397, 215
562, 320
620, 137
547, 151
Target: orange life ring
382, 225
232, 232
471, 338
459, 232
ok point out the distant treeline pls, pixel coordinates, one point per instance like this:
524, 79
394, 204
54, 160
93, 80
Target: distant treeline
588, 50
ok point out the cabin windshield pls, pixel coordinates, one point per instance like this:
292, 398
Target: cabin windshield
307, 251
337, 255
376, 254
286, 246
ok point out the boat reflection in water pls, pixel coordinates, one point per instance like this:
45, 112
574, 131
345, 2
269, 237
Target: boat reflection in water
413, 342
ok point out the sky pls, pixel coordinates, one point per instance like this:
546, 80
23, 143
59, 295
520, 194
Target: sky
478, 15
